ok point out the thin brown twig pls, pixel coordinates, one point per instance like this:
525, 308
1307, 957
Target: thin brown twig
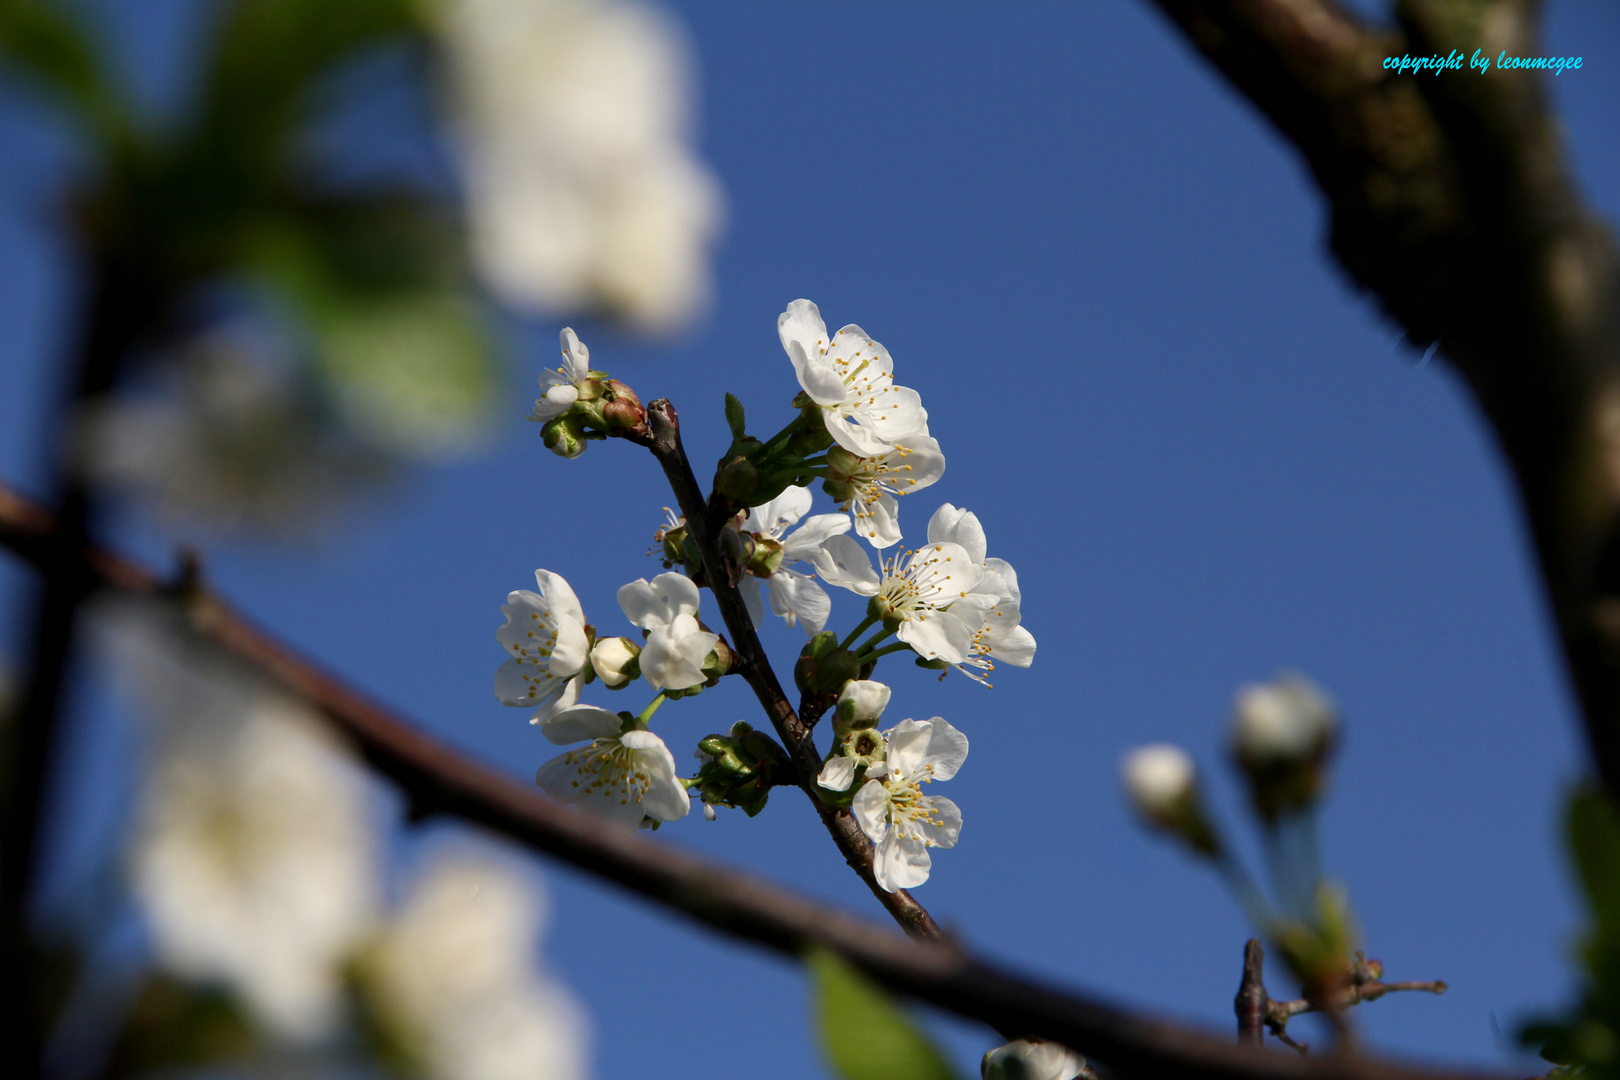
1251, 1002
436, 779
703, 522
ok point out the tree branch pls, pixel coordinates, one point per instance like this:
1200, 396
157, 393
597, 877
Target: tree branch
1252, 999
1451, 201
437, 779
704, 527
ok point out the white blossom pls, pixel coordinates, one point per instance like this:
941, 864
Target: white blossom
795, 596
1159, 779
999, 636
1289, 720
860, 704
583, 189
254, 860
545, 633
894, 813
873, 483
621, 776
454, 978
559, 388
1027, 1059
677, 646
851, 378
933, 592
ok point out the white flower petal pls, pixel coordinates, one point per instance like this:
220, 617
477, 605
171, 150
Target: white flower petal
950, 525
780, 514
576, 357
868, 697
940, 824
871, 809
582, 723
797, 598
843, 562
901, 862
947, 749
665, 799
837, 774
807, 538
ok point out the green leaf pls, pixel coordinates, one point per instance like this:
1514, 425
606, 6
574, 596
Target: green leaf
734, 416
47, 42
1594, 839
863, 1034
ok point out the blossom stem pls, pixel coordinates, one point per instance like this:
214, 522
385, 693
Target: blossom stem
858, 631
871, 643
776, 442
1244, 890
652, 707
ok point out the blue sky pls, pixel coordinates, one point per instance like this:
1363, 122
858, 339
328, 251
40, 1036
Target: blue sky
1207, 455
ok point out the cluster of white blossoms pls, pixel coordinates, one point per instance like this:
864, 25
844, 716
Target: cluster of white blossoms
947, 601
584, 192
892, 811
256, 864
1032, 1059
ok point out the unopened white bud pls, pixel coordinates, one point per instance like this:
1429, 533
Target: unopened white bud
1159, 779
709, 813
862, 699
1286, 721
1024, 1059
616, 660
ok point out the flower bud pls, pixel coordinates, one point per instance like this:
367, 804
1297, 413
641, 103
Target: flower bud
738, 480
812, 440
621, 408
1032, 1059
835, 670
719, 662
565, 436
737, 546
616, 661
1163, 786
860, 704
1281, 735
767, 557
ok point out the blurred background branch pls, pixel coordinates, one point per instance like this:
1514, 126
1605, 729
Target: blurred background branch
1451, 201
436, 779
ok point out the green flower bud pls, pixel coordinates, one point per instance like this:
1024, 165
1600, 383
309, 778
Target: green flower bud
719, 662
805, 675
836, 669
565, 436
820, 645
812, 440
767, 557
738, 480
737, 546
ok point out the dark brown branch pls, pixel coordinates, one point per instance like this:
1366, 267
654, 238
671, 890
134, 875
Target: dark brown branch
1251, 1001
1451, 201
704, 525
439, 780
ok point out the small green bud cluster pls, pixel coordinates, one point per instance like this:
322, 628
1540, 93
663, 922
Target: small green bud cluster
752, 473
605, 407
740, 769
823, 668
1317, 949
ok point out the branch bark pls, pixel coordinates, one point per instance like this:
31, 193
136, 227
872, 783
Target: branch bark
437, 779
1451, 201
1251, 1000
704, 522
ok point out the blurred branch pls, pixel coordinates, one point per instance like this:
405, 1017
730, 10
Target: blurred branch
704, 521
1451, 201
439, 780
1252, 999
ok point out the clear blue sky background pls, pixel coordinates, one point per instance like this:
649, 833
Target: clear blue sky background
1202, 449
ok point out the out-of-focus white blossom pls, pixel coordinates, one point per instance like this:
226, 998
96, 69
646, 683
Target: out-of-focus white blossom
894, 813
622, 775
255, 856
795, 596
545, 633
229, 439
584, 191
677, 646
1289, 720
851, 378
1024, 1059
1159, 778
454, 978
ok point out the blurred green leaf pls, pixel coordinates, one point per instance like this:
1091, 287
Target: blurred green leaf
863, 1034
178, 1024
1594, 839
735, 418
402, 344
45, 40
